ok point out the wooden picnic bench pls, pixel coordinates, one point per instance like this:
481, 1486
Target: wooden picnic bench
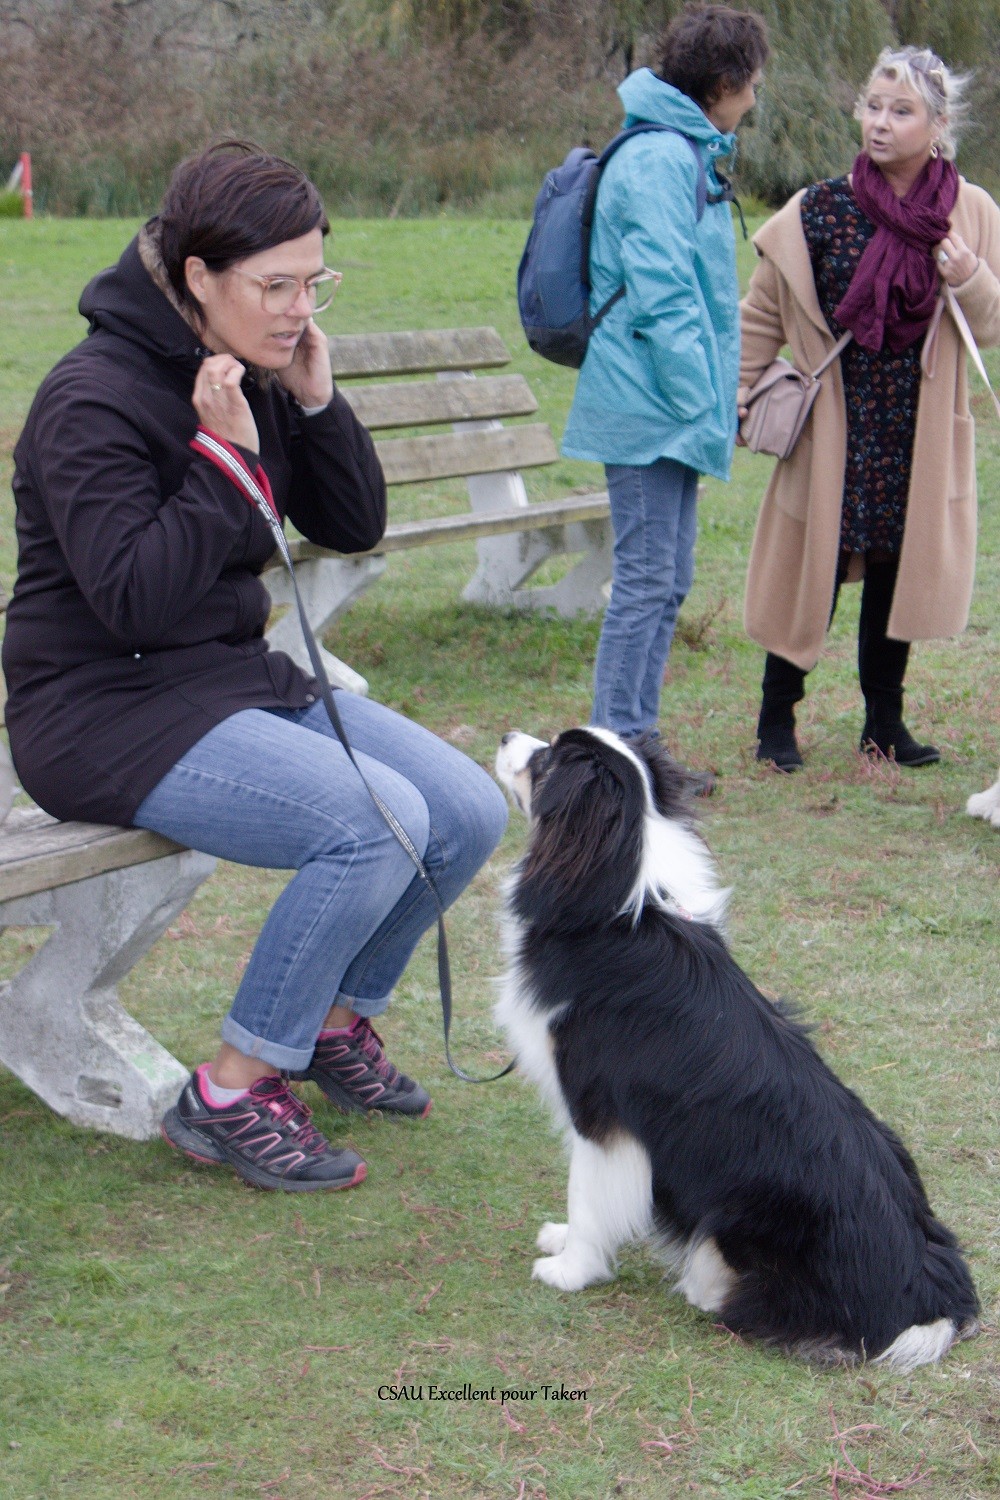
108, 893
513, 535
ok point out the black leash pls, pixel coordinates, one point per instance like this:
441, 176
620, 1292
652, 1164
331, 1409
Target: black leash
251, 487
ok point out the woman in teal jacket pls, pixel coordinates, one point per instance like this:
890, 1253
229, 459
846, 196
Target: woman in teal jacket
656, 397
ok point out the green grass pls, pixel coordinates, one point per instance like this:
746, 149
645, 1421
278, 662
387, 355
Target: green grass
167, 1332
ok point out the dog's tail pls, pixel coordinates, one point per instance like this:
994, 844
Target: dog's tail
944, 1287
925, 1343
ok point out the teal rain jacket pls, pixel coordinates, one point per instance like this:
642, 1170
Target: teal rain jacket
660, 376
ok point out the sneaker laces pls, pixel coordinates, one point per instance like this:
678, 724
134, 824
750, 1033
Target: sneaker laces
373, 1049
289, 1110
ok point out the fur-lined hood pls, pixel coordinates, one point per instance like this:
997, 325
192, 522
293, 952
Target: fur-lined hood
148, 244
134, 299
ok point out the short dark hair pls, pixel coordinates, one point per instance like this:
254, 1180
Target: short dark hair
229, 201
710, 49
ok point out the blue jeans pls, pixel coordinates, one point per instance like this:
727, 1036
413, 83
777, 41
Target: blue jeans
654, 515
275, 788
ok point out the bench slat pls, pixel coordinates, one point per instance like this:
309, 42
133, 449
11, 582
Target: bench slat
420, 403
452, 455
37, 853
406, 534
489, 523
358, 354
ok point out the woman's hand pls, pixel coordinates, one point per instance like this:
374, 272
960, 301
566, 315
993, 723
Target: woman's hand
741, 412
308, 377
221, 404
954, 260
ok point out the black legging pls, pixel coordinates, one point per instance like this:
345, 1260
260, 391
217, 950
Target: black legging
881, 662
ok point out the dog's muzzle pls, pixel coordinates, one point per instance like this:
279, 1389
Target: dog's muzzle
513, 759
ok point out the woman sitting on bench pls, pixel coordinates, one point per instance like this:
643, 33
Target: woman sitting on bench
142, 689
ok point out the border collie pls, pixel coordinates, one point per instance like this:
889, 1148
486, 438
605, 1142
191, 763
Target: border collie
698, 1114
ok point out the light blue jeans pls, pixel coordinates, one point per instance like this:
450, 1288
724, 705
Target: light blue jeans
654, 515
276, 789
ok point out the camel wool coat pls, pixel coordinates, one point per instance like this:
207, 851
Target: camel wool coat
793, 559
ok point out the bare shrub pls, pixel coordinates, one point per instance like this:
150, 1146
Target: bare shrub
401, 106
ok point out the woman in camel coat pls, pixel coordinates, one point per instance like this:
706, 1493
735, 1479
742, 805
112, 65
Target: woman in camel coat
882, 482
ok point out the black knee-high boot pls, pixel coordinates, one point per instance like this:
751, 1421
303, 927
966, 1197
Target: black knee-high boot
882, 668
784, 685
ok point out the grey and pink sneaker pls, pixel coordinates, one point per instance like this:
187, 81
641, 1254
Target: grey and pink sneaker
351, 1068
264, 1135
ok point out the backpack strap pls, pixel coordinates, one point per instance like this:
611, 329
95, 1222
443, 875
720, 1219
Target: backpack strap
644, 127
728, 195
702, 198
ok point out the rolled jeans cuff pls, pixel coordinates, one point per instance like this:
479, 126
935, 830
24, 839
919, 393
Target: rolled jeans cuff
365, 1006
287, 1058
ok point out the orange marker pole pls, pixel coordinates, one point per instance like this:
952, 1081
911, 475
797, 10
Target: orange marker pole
29, 204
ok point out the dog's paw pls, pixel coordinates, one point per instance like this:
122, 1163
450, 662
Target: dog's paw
568, 1273
708, 1280
559, 1271
552, 1238
985, 805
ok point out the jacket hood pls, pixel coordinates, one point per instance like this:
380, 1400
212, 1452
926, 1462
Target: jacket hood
646, 97
133, 300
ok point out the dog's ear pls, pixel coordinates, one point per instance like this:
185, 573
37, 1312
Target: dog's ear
673, 788
586, 841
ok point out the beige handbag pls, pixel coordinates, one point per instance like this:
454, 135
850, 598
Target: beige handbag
780, 402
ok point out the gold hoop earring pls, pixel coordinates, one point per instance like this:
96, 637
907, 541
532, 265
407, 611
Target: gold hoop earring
935, 151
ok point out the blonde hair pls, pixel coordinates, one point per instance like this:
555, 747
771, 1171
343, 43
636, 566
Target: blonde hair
941, 90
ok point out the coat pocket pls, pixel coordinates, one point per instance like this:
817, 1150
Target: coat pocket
790, 484
962, 484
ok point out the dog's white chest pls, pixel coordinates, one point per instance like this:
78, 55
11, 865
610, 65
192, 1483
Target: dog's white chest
530, 1039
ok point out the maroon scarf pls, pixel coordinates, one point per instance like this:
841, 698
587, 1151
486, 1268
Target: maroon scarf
895, 286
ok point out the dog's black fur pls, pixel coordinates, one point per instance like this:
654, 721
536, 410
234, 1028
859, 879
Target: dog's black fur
816, 1207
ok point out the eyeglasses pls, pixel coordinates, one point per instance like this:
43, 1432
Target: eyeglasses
278, 294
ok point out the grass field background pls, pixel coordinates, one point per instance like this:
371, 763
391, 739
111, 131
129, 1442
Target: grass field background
168, 1333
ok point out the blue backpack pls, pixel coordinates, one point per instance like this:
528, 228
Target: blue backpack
553, 279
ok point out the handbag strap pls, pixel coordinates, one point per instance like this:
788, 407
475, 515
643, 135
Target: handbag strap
780, 369
837, 349
962, 323
224, 457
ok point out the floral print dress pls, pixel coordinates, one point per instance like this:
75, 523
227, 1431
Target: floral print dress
881, 389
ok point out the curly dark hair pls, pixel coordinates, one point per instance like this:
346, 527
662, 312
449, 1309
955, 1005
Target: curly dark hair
710, 49
229, 201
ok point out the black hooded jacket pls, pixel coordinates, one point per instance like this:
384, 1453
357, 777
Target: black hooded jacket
137, 619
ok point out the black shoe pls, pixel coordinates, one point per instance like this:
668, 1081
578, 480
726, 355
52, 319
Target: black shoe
776, 736
354, 1073
784, 758
703, 782
895, 742
265, 1136
778, 745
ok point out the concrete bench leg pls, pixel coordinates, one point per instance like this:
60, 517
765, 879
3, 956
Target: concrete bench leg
507, 562
62, 1028
329, 586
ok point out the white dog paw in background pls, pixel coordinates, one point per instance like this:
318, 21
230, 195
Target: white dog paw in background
571, 1273
986, 805
569, 1268
552, 1238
